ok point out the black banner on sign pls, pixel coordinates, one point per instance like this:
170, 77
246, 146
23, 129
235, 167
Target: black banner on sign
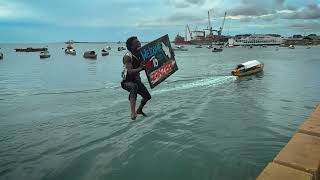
159, 60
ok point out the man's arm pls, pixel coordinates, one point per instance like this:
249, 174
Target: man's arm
128, 65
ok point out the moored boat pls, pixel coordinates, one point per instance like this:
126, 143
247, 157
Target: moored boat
1, 56
104, 52
90, 55
291, 47
44, 54
199, 46
180, 48
108, 48
248, 68
30, 49
121, 48
217, 49
70, 50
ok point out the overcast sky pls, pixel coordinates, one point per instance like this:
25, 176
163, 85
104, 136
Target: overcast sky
114, 20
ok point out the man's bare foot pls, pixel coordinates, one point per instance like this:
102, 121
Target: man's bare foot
139, 111
134, 116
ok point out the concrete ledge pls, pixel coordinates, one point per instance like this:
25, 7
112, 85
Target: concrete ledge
300, 158
276, 171
311, 126
302, 153
317, 108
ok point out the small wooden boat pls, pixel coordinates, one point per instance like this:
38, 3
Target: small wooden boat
90, 55
121, 48
44, 54
248, 68
291, 47
70, 50
217, 49
30, 49
180, 48
104, 52
1, 56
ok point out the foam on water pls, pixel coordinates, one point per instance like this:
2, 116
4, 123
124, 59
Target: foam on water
211, 82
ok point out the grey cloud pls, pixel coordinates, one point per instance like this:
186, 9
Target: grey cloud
257, 8
312, 11
291, 7
280, 1
184, 3
183, 18
306, 26
248, 11
200, 2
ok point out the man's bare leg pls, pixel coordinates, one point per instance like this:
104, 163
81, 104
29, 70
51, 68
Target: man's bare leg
133, 108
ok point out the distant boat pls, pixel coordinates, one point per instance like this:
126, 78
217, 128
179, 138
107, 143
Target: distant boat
248, 68
108, 48
90, 55
44, 54
180, 48
256, 40
30, 49
217, 49
308, 47
119, 42
291, 47
70, 50
210, 46
104, 52
199, 46
121, 48
1, 56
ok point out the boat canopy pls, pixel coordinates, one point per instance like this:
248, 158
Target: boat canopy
250, 64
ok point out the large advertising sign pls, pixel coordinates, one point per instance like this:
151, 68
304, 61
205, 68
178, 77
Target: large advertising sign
159, 60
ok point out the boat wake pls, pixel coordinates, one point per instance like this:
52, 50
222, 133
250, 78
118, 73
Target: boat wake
208, 82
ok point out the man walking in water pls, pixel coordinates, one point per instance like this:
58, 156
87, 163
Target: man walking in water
131, 80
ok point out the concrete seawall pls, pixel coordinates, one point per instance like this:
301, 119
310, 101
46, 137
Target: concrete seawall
300, 158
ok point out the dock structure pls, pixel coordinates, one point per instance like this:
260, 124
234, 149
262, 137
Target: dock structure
300, 158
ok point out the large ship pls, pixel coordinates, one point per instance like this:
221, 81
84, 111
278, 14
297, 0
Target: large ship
256, 40
203, 37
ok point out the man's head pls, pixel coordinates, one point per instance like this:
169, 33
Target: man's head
133, 44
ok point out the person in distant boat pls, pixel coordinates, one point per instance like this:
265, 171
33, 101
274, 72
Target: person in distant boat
131, 81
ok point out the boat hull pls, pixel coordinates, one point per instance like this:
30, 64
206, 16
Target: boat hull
217, 50
30, 49
90, 56
44, 56
247, 73
104, 53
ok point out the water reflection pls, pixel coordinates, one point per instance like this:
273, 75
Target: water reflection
92, 67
